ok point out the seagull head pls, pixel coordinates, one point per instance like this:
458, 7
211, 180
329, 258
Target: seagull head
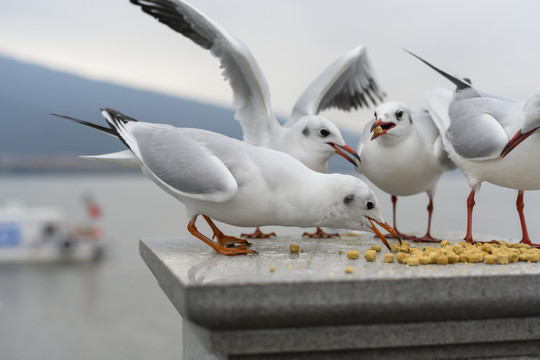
358, 207
320, 139
392, 118
531, 123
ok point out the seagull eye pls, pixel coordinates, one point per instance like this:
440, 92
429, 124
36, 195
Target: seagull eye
324, 132
370, 205
399, 114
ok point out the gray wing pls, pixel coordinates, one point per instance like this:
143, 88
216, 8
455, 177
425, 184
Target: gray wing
429, 132
181, 163
480, 127
250, 89
348, 83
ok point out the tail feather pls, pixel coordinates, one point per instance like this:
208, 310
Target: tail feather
117, 122
124, 158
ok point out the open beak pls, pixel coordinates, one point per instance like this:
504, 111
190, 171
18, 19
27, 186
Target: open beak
380, 127
515, 141
345, 151
385, 226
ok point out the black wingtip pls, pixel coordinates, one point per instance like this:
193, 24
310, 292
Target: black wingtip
89, 124
177, 16
118, 115
456, 81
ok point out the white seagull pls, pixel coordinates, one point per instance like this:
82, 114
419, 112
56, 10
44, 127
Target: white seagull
403, 155
347, 83
225, 179
482, 133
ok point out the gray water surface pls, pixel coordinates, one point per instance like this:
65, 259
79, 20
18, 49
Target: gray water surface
115, 309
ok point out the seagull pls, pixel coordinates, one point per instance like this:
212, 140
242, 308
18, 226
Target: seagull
231, 181
403, 155
490, 138
347, 83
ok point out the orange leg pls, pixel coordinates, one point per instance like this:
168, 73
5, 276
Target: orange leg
222, 239
470, 205
258, 234
403, 236
320, 234
525, 234
428, 237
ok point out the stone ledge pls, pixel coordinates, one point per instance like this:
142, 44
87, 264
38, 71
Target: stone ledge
309, 305
320, 293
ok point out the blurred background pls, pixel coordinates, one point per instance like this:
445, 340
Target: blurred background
74, 57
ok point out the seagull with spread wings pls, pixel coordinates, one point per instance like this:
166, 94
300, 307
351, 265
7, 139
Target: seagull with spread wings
347, 83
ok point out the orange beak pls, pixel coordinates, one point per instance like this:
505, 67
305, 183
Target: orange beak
385, 226
344, 151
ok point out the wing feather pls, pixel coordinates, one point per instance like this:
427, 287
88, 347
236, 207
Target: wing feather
348, 83
251, 95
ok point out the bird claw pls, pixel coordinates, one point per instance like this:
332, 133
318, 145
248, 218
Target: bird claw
427, 239
258, 234
320, 234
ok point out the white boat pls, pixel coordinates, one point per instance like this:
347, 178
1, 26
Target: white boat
43, 234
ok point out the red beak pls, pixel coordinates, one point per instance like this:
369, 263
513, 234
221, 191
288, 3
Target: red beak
388, 228
345, 151
515, 141
385, 126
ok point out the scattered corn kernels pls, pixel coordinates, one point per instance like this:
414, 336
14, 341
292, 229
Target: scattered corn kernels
394, 248
401, 257
377, 130
370, 255
294, 248
442, 260
502, 259
353, 254
388, 258
452, 257
534, 257
349, 270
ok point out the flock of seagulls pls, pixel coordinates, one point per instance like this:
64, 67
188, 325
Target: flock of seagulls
278, 174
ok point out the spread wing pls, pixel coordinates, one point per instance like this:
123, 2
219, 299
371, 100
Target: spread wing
348, 83
250, 89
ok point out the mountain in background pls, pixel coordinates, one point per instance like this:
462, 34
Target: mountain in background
32, 139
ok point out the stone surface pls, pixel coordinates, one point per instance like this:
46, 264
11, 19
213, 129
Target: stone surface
308, 304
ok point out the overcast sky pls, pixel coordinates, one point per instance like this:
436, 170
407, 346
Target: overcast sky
495, 43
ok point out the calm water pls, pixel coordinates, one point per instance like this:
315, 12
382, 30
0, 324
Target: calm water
115, 309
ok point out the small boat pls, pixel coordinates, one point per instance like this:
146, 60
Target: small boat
33, 234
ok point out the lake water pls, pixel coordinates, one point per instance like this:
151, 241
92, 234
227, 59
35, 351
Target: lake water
115, 309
